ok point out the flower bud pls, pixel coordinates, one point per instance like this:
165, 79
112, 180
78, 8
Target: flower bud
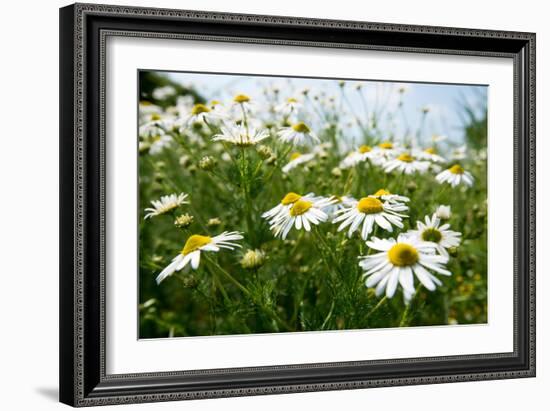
253, 259
184, 221
443, 212
207, 163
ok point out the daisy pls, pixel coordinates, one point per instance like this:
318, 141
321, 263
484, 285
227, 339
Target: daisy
166, 204
217, 107
160, 93
455, 175
241, 135
147, 110
296, 159
443, 212
387, 150
303, 213
396, 262
459, 153
441, 236
339, 203
407, 164
298, 134
430, 154
243, 101
153, 128
366, 212
202, 113
389, 197
284, 206
191, 252
159, 143
358, 156
290, 106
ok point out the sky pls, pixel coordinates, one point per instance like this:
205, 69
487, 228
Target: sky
443, 100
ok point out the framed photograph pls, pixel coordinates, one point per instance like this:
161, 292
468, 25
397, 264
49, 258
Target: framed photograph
261, 204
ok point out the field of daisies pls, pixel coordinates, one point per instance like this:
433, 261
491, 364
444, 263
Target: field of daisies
294, 209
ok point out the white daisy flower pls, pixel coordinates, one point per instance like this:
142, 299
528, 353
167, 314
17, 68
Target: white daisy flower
430, 154
459, 153
407, 164
241, 136
202, 113
298, 134
160, 93
191, 252
441, 236
303, 213
396, 263
166, 204
217, 107
147, 110
243, 101
339, 203
387, 150
296, 159
284, 206
153, 128
184, 104
389, 197
290, 106
455, 175
360, 155
159, 143
364, 213
443, 212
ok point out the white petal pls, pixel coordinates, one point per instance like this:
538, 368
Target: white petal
424, 277
382, 222
169, 270
406, 279
195, 259
392, 282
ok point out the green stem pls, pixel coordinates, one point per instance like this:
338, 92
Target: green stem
405, 316
377, 306
328, 249
247, 292
245, 185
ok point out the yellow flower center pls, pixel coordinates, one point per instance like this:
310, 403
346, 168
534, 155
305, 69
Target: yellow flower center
155, 117
199, 109
431, 234
301, 127
364, 149
290, 198
382, 192
430, 150
456, 169
370, 205
214, 103
403, 255
406, 158
291, 100
241, 98
300, 207
295, 155
195, 242
386, 145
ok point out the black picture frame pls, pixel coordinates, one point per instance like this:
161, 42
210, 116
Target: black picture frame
83, 30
